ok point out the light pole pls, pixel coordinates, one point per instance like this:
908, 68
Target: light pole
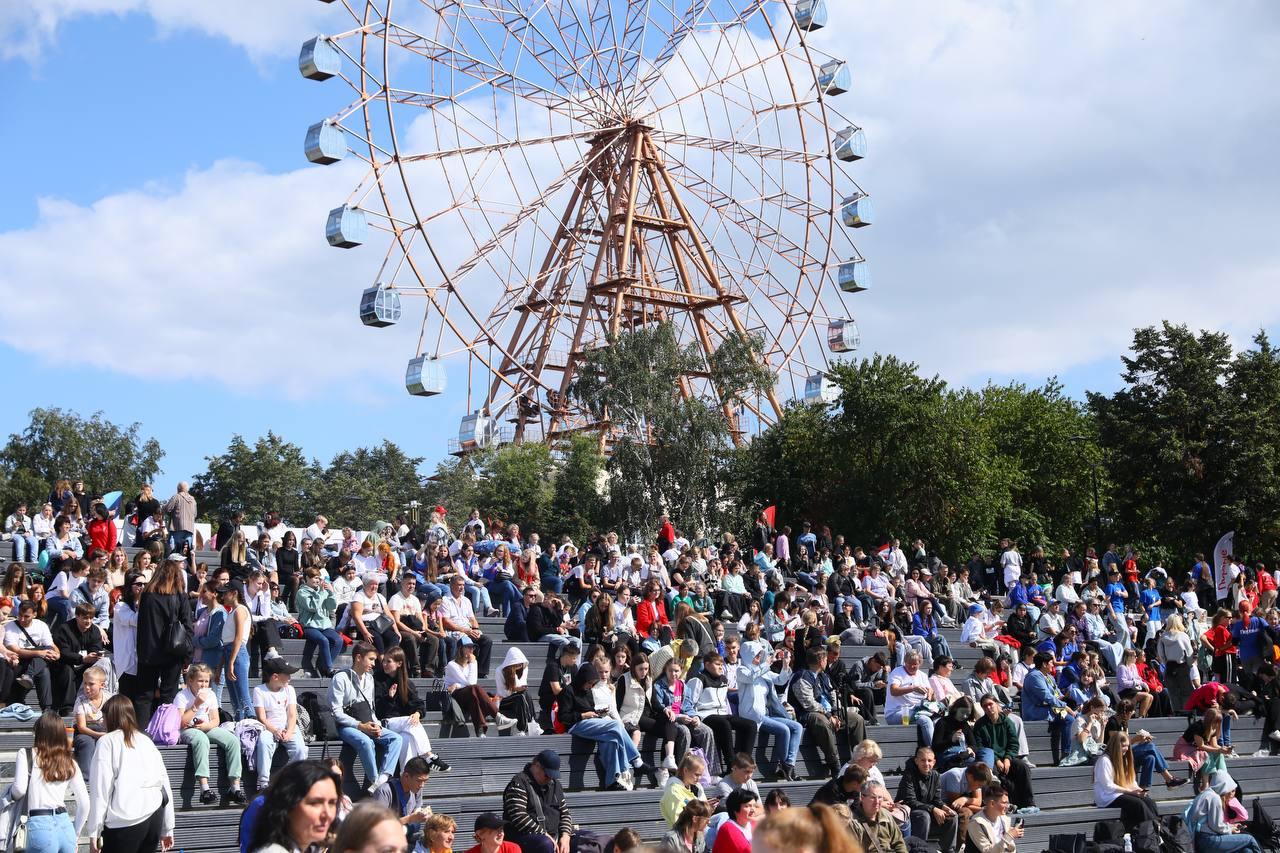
1093, 479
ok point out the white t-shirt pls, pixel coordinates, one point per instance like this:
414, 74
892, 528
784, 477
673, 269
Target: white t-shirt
374, 606
1012, 562
407, 605
40, 635
908, 701
185, 699
276, 703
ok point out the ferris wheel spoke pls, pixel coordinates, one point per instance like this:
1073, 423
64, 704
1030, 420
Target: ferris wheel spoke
739, 146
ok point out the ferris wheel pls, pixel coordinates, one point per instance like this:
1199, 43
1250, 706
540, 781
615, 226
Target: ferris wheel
544, 174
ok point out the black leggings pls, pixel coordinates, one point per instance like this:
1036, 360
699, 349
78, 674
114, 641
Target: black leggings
733, 735
1134, 809
142, 837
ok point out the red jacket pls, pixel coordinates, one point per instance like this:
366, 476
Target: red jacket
648, 613
1219, 639
102, 534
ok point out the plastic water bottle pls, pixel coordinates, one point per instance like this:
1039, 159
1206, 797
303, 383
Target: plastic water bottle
1128, 843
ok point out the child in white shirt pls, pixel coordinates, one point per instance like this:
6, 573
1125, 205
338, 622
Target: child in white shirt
276, 705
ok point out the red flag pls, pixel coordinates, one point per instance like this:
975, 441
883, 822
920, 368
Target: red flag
770, 513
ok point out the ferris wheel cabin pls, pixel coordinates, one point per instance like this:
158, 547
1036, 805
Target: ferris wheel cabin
851, 144
380, 306
834, 77
475, 432
842, 335
424, 377
325, 144
347, 227
819, 388
811, 14
853, 276
855, 211
319, 59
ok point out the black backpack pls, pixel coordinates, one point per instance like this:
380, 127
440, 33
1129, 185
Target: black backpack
1067, 843
322, 723
1264, 828
1176, 833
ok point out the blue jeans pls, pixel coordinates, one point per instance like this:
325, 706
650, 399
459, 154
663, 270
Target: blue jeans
985, 755
1149, 761
924, 725
786, 733
267, 743
51, 834
940, 646
613, 744
25, 548
367, 748
241, 705
1209, 843
506, 592
328, 641
479, 597
552, 583
1060, 727
857, 606
1226, 730
178, 539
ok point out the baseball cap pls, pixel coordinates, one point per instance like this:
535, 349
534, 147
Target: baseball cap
489, 820
467, 641
278, 666
549, 761
175, 557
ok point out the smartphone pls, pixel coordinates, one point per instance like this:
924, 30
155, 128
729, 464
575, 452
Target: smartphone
1016, 823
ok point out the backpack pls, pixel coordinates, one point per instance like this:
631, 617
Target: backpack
13, 817
1176, 834
290, 631
303, 722
1108, 830
1148, 837
323, 727
1067, 843
165, 725
1264, 829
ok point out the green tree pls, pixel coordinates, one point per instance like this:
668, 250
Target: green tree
575, 499
454, 486
1253, 384
369, 484
513, 484
270, 474
1168, 441
60, 443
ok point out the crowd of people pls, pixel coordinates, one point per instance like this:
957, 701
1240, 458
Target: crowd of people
705, 648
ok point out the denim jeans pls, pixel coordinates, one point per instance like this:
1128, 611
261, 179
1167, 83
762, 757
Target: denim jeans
25, 548
241, 705
924, 725
1210, 843
479, 597
367, 748
613, 745
506, 592
1149, 761
267, 743
552, 583
51, 834
786, 737
328, 641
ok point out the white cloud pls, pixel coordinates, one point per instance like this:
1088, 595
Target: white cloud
1049, 176
224, 278
261, 27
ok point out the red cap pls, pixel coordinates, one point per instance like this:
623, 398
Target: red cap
438, 509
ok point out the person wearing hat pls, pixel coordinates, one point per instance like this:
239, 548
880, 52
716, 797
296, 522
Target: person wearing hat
1051, 620
491, 835
1206, 817
276, 705
534, 809
974, 632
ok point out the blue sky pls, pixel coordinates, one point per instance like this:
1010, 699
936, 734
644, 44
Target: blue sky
1046, 179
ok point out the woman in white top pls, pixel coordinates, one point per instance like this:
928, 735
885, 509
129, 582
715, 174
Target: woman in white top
124, 632
368, 617
89, 724
235, 651
512, 683
45, 782
461, 681
1115, 784
130, 804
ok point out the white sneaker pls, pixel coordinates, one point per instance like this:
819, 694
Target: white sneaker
669, 763
627, 780
504, 722
534, 730
663, 775
271, 654
519, 733
482, 734
378, 782
1275, 735
1262, 753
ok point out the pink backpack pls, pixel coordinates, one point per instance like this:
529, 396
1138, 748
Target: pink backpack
165, 725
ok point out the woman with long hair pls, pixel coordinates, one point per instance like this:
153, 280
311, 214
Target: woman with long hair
163, 603
142, 565
1115, 784
689, 833
397, 703
298, 810
288, 565
130, 804
597, 625
316, 608
117, 568
124, 633
1201, 744
815, 828
234, 555
15, 586
641, 716
235, 651
45, 780
501, 573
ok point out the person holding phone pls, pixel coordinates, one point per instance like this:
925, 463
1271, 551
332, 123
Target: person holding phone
991, 830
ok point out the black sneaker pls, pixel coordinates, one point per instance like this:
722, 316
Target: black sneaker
237, 797
208, 797
438, 764
616, 786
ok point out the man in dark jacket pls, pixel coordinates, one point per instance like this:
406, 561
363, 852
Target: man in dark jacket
845, 788
516, 628
921, 791
80, 642
533, 807
866, 681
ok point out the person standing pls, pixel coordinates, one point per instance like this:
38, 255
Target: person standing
44, 775
180, 510
130, 803
162, 606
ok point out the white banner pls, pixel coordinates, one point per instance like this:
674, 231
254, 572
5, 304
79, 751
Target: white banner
1221, 571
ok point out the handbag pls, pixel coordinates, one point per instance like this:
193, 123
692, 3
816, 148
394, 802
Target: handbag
178, 640
361, 709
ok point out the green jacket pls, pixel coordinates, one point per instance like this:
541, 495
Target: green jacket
315, 607
878, 835
1001, 737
